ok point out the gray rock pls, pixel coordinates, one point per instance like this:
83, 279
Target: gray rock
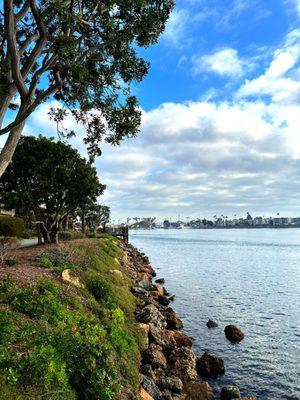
155, 357
151, 315
150, 387
210, 365
183, 363
173, 384
230, 392
145, 284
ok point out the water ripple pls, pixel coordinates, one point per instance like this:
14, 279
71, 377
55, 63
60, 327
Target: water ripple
247, 277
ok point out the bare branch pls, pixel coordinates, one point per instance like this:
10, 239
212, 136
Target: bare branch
47, 64
23, 11
14, 58
27, 42
36, 52
40, 99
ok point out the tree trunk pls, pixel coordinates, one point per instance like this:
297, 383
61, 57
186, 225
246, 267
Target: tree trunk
10, 147
83, 224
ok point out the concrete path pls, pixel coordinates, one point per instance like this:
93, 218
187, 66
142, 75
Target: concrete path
28, 242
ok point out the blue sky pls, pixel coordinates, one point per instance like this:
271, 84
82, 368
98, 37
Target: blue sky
221, 117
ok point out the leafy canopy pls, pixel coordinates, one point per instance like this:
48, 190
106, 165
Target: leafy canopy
49, 178
85, 53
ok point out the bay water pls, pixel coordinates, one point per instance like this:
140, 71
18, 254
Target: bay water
246, 277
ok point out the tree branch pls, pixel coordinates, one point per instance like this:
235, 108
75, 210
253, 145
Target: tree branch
42, 97
14, 58
23, 11
38, 48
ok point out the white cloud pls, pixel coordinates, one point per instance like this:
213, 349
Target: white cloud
205, 157
176, 28
222, 62
278, 81
295, 4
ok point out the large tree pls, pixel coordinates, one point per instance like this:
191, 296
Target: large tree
93, 216
82, 52
50, 179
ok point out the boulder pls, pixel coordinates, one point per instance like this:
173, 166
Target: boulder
183, 363
68, 277
150, 387
173, 321
117, 273
158, 336
179, 339
163, 300
160, 280
230, 392
198, 391
167, 395
211, 324
144, 328
155, 357
151, 315
160, 289
147, 370
172, 384
145, 395
144, 282
210, 365
172, 298
233, 333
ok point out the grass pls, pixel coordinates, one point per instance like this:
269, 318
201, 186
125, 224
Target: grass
70, 343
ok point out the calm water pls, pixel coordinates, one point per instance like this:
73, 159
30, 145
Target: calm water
250, 278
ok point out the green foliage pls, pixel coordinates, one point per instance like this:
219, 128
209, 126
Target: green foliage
41, 166
88, 59
54, 257
70, 235
11, 226
101, 290
52, 340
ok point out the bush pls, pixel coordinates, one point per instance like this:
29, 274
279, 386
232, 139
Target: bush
55, 257
11, 226
70, 235
7, 246
101, 290
60, 347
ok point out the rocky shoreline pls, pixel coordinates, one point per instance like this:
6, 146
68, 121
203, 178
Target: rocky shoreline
169, 368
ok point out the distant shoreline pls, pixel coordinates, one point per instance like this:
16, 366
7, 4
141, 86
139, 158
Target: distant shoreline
219, 227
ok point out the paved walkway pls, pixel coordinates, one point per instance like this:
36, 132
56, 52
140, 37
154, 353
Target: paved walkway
28, 242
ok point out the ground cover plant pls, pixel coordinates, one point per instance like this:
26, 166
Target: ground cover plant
58, 341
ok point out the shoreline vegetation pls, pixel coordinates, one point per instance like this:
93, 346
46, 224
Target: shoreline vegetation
83, 319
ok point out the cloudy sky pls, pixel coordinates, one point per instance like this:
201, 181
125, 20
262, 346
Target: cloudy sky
221, 116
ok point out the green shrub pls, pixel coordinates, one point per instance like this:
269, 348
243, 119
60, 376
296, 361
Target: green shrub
11, 226
55, 257
101, 290
70, 235
62, 347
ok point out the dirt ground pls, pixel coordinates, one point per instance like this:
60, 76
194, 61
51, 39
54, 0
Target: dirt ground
26, 271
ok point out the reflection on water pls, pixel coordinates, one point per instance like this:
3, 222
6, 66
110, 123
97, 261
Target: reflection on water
247, 277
